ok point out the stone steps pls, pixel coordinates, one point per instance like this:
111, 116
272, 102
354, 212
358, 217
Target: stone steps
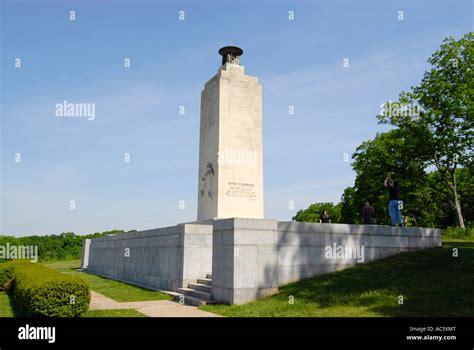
189, 300
201, 287
196, 294
207, 281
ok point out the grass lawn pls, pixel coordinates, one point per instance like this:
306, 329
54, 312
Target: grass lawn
115, 290
5, 307
432, 283
113, 313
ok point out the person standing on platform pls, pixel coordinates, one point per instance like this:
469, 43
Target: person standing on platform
393, 201
368, 214
324, 217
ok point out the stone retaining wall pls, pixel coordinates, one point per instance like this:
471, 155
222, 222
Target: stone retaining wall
253, 257
167, 258
249, 258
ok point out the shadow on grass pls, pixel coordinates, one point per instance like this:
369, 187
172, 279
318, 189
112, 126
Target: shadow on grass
15, 309
116, 289
431, 282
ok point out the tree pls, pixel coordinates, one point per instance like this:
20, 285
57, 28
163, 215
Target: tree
465, 180
390, 154
442, 107
350, 206
312, 213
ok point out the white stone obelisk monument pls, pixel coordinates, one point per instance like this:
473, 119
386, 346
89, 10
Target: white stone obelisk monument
230, 148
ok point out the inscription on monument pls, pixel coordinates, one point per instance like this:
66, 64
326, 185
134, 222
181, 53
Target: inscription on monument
241, 190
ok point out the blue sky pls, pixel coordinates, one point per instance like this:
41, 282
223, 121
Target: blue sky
298, 63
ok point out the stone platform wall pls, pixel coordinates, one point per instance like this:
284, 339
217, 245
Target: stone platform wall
249, 258
167, 258
253, 257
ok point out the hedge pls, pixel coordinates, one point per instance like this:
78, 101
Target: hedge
40, 291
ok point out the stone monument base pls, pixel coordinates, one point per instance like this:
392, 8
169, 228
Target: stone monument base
237, 260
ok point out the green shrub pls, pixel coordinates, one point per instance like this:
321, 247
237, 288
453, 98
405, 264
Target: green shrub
6, 269
40, 291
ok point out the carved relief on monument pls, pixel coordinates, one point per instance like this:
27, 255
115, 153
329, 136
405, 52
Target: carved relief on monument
207, 183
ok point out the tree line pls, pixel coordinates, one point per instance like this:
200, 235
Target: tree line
65, 246
429, 151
